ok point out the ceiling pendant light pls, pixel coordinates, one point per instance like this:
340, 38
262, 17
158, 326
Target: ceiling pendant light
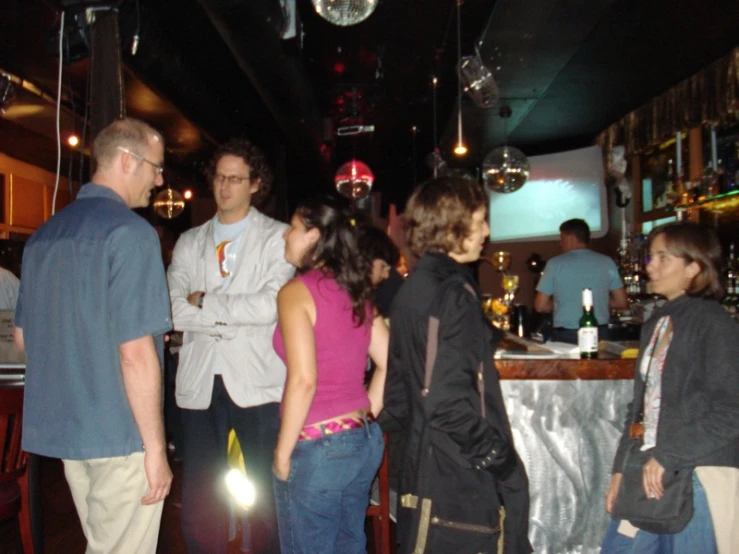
479, 82
460, 149
345, 13
169, 203
354, 180
505, 169
434, 159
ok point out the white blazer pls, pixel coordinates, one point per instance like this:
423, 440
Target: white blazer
236, 323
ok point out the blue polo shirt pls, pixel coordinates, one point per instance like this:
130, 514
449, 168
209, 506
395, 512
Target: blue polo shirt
92, 279
567, 274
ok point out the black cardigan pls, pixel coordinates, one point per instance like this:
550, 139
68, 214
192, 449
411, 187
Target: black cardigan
699, 410
451, 470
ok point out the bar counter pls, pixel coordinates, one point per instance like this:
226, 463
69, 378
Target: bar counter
567, 416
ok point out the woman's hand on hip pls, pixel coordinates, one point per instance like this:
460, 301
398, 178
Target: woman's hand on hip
652, 474
612, 491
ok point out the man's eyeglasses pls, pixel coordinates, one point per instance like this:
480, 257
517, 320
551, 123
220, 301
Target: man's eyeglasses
219, 178
157, 168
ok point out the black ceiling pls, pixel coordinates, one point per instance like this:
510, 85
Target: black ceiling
567, 69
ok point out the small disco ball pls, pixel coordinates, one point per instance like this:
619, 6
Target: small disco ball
505, 169
345, 12
354, 180
169, 203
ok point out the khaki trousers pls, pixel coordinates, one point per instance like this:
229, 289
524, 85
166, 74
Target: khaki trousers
722, 491
107, 493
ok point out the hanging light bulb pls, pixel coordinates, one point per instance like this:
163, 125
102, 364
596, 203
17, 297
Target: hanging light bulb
460, 149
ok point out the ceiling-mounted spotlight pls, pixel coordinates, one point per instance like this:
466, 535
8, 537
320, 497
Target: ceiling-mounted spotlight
345, 13
478, 81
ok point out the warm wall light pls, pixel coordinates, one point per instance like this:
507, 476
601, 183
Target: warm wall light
73, 140
460, 149
187, 194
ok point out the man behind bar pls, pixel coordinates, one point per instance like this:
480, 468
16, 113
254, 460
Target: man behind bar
91, 312
578, 267
223, 282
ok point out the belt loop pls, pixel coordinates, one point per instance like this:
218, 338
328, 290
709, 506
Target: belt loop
366, 425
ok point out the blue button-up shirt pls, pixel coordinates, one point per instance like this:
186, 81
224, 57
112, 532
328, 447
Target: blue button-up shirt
92, 279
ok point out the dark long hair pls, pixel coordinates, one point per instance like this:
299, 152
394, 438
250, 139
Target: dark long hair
337, 253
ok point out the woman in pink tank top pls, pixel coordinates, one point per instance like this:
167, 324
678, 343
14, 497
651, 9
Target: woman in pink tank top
329, 447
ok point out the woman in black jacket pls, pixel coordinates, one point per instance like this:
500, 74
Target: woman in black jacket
688, 375
460, 467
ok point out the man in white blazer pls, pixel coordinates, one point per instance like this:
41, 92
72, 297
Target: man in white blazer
223, 282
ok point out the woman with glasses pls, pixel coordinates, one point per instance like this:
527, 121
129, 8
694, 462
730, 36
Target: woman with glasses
329, 446
688, 377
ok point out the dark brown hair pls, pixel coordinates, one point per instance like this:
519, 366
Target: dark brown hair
439, 212
699, 244
337, 252
577, 228
259, 169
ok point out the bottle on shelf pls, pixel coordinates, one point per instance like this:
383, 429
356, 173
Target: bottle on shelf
587, 333
731, 279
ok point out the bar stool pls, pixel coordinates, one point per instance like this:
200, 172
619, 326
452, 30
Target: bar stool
14, 497
380, 513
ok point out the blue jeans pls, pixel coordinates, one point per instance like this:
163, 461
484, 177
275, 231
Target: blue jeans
321, 507
697, 537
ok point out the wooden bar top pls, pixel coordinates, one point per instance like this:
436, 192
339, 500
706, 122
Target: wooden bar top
605, 368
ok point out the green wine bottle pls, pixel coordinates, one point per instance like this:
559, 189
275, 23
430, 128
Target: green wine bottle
587, 333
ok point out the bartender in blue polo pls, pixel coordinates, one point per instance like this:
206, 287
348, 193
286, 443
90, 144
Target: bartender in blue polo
560, 288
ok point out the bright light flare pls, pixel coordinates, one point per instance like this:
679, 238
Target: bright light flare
240, 488
187, 194
73, 140
460, 149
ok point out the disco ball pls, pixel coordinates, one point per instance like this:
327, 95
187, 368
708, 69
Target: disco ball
169, 203
345, 12
505, 169
478, 82
354, 180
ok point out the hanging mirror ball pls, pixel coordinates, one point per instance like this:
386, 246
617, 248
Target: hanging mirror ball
345, 12
354, 180
505, 169
169, 203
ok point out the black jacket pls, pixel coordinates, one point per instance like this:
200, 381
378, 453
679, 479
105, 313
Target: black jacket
699, 409
463, 462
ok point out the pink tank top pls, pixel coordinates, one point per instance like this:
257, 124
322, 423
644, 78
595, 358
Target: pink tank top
341, 350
